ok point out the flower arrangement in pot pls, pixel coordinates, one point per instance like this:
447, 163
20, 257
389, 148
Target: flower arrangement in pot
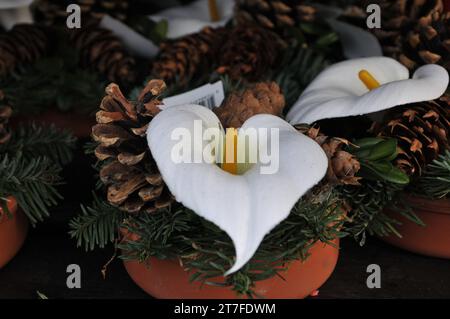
30, 163
417, 217
416, 116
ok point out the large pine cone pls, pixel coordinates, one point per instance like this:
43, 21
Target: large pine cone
342, 166
100, 50
189, 57
262, 98
23, 44
398, 18
422, 130
53, 12
249, 52
429, 42
275, 15
133, 181
5, 114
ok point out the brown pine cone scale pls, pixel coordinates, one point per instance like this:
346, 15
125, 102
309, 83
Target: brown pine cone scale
23, 44
342, 166
262, 98
422, 131
249, 52
100, 50
187, 58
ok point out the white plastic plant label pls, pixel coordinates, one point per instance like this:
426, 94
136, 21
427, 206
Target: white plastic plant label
209, 95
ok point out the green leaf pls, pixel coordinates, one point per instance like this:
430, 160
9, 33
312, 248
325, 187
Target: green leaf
385, 171
367, 142
161, 28
382, 150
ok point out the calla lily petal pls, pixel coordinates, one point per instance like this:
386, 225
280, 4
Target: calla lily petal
352, 37
246, 206
338, 92
13, 12
192, 18
11, 4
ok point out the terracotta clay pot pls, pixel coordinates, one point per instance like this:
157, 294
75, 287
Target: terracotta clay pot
13, 231
79, 124
431, 240
167, 280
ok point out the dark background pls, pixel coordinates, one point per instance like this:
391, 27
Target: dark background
42, 262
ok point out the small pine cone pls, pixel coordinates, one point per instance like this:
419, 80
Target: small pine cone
428, 42
133, 181
274, 15
342, 166
23, 44
248, 53
53, 12
422, 131
189, 57
398, 18
5, 114
262, 98
102, 51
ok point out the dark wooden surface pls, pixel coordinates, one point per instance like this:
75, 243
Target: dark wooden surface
41, 264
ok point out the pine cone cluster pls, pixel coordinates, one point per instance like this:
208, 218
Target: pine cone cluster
275, 15
414, 32
53, 12
249, 52
262, 98
23, 44
428, 42
342, 166
133, 181
189, 57
100, 50
422, 130
5, 114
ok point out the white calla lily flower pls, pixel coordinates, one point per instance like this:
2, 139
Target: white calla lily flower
192, 18
366, 85
246, 206
13, 12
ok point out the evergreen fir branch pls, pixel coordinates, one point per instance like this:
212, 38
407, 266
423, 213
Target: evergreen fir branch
368, 201
96, 226
435, 182
34, 140
32, 182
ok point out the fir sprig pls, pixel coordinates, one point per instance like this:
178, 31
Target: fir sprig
32, 182
30, 166
298, 68
96, 226
435, 182
34, 140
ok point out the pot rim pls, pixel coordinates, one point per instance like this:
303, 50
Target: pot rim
434, 206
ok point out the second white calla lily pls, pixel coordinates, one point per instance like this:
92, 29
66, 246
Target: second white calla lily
13, 12
246, 206
192, 18
339, 92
